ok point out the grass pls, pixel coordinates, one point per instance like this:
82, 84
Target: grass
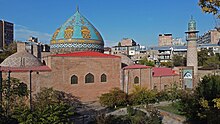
172, 108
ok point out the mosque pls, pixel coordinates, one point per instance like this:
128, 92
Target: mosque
76, 64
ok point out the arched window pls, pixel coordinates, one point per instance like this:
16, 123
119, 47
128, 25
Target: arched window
103, 78
89, 78
136, 80
74, 79
44, 63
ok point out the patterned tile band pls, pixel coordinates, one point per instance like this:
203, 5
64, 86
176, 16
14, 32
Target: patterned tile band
77, 45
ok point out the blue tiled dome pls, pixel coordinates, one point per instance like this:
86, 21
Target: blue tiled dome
76, 34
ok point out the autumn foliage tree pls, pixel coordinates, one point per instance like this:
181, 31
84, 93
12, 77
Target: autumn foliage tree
142, 96
210, 6
145, 61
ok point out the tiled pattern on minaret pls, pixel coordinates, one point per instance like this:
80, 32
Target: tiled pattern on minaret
192, 55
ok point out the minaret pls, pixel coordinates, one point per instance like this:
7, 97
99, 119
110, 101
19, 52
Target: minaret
191, 38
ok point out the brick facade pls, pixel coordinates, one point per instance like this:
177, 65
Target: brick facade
146, 79
129, 79
65, 67
164, 82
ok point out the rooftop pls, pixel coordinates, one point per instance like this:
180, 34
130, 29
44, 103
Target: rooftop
136, 67
21, 59
157, 71
25, 69
162, 71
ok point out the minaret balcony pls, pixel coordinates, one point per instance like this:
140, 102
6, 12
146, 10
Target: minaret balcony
191, 38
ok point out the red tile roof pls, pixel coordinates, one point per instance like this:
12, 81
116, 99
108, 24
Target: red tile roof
156, 71
136, 67
86, 54
161, 71
26, 69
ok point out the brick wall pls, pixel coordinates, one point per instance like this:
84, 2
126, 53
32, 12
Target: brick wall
147, 80
64, 67
163, 82
129, 76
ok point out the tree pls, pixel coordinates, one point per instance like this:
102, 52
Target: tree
16, 97
142, 96
201, 105
119, 43
115, 97
52, 114
49, 96
179, 60
49, 106
210, 6
12, 47
202, 56
12, 100
145, 61
212, 62
8, 50
168, 64
174, 92
207, 59
170, 94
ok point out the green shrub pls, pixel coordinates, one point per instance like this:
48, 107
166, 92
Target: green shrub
141, 96
162, 96
115, 97
199, 105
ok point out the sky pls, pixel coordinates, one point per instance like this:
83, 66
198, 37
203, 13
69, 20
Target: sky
141, 20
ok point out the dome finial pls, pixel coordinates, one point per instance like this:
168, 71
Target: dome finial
77, 8
191, 17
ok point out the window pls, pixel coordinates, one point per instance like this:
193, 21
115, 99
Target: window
89, 78
74, 79
136, 80
44, 63
103, 78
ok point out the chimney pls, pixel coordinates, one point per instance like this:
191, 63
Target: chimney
21, 46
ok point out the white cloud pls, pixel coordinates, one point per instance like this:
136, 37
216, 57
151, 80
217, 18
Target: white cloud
22, 33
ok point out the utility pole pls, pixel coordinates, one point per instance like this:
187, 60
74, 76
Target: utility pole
0, 88
8, 92
31, 91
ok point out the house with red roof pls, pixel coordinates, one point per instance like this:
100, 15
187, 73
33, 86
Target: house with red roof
158, 78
